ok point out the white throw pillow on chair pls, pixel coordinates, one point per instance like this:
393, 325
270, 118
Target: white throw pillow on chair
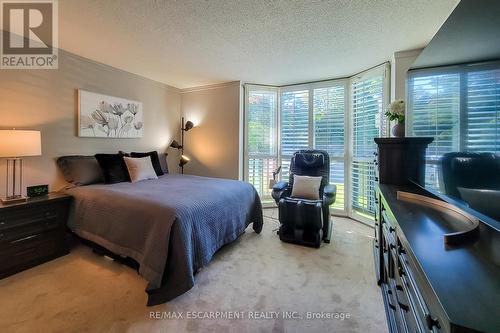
306, 187
140, 168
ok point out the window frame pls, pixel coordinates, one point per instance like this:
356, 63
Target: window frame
310, 87
383, 69
462, 70
246, 154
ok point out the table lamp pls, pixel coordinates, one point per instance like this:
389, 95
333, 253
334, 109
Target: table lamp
13, 145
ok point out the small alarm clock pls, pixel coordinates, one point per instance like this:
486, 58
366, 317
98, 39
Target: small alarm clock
37, 191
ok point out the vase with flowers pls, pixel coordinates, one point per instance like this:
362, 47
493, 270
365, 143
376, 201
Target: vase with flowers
396, 112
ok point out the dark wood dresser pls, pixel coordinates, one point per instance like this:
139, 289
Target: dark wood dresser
427, 286
32, 232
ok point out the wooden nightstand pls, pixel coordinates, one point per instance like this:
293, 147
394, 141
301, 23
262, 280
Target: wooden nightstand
32, 232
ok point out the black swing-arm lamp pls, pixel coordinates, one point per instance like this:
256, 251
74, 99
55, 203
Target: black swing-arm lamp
184, 128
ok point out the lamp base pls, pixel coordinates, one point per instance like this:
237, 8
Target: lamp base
11, 200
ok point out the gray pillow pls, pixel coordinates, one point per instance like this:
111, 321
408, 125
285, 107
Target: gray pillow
80, 170
306, 187
162, 157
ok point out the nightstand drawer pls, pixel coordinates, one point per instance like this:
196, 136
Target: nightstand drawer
32, 232
13, 234
19, 218
36, 248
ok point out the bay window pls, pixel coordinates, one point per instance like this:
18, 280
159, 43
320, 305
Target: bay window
338, 116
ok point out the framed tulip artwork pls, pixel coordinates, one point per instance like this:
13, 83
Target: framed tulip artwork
102, 116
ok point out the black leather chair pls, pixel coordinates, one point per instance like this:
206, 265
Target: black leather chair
469, 170
473, 178
303, 221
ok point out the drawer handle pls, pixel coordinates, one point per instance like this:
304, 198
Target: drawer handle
2, 223
408, 279
24, 239
392, 306
431, 322
401, 304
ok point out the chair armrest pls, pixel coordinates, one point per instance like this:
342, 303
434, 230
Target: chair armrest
329, 194
279, 189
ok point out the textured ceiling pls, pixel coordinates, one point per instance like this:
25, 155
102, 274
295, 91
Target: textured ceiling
195, 42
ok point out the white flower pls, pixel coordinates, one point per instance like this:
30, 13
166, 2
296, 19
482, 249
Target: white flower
397, 107
113, 123
133, 108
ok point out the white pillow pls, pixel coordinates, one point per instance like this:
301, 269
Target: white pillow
140, 168
306, 187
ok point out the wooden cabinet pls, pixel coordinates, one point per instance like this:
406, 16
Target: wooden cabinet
401, 160
405, 306
32, 232
427, 286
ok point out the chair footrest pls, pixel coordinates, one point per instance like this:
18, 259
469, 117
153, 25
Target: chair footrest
302, 214
313, 240
301, 221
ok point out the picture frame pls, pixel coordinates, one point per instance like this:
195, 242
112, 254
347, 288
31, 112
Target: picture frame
104, 116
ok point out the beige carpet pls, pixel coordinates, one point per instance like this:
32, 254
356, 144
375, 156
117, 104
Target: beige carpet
255, 276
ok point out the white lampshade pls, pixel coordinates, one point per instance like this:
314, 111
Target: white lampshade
14, 143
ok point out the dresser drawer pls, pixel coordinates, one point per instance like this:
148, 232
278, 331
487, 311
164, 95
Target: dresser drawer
34, 249
19, 218
422, 315
20, 231
32, 232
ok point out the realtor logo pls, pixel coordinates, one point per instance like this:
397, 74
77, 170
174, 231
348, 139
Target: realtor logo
29, 38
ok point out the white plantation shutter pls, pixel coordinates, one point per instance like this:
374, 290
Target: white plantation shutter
482, 133
261, 139
459, 107
329, 133
329, 122
368, 122
294, 135
294, 121
435, 105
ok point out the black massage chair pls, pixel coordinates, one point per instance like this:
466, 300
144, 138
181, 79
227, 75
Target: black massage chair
473, 178
303, 221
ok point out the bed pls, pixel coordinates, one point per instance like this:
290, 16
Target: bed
171, 226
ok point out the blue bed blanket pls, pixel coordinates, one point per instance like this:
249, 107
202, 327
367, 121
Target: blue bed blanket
171, 226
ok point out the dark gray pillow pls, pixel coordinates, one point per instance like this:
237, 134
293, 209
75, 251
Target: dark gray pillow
163, 162
80, 170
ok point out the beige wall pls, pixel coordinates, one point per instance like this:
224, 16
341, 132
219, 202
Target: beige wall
213, 145
46, 100
400, 63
